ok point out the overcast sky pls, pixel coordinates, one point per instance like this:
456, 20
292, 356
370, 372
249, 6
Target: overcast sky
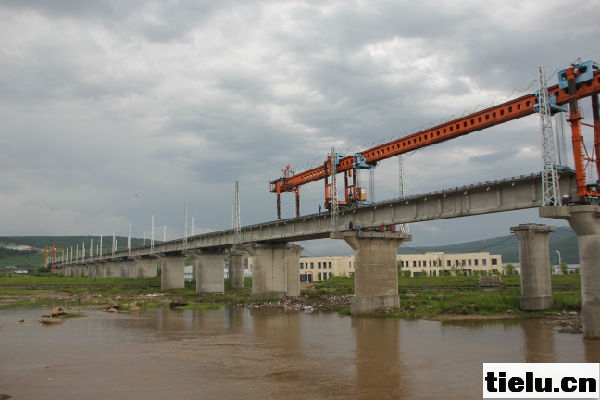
114, 111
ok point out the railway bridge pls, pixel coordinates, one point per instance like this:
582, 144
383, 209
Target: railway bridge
558, 193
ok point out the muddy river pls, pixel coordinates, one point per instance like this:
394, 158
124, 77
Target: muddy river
264, 354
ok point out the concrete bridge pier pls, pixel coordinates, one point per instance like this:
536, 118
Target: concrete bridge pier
113, 269
376, 274
82, 271
276, 270
236, 269
536, 286
585, 221
97, 269
146, 267
129, 268
70, 270
209, 272
171, 271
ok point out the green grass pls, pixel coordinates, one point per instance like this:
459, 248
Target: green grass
51, 280
438, 281
420, 297
334, 285
425, 297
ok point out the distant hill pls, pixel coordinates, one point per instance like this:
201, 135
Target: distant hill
562, 239
13, 248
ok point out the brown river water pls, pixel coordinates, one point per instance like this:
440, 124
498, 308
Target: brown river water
264, 354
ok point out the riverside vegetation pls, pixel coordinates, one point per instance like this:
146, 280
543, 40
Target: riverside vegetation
420, 297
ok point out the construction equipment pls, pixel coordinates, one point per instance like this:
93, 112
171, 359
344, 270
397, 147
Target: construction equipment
51, 252
579, 81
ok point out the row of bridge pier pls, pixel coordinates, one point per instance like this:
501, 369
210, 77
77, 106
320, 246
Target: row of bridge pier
276, 266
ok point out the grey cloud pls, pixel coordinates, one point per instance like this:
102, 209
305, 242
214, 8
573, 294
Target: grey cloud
140, 106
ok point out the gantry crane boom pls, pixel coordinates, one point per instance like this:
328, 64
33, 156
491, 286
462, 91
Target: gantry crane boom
577, 82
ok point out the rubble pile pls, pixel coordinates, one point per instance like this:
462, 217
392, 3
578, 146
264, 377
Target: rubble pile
567, 321
315, 303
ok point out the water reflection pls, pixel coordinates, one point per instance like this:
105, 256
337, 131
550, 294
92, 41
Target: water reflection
538, 342
265, 354
379, 371
592, 350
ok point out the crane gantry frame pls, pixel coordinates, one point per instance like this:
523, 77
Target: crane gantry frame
574, 83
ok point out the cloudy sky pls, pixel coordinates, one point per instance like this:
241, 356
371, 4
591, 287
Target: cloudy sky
114, 111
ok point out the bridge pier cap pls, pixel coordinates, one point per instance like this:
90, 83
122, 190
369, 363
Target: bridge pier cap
585, 221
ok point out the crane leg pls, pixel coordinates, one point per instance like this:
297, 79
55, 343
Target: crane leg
596, 112
278, 206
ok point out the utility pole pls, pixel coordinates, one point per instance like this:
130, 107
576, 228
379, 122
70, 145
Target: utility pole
185, 226
402, 187
236, 223
152, 236
335, 212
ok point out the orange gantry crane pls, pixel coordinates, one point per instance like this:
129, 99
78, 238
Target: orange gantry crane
579, 81
51, 252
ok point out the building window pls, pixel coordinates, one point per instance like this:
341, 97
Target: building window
476, 263
312, 265
301, 265
324, 275
484, 262
319, 276
494, 261
414, 264
329, 264
448, 263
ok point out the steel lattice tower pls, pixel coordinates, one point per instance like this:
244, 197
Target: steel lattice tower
550, 193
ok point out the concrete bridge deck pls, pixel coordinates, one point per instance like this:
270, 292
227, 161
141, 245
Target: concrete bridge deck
489, 197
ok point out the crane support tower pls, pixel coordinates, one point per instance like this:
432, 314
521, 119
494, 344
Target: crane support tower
577, 82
